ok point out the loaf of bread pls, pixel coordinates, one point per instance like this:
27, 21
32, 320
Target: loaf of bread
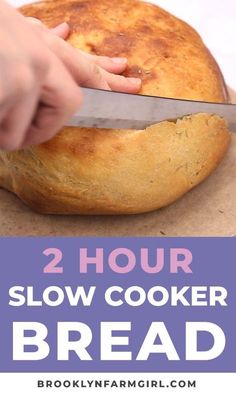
96, 171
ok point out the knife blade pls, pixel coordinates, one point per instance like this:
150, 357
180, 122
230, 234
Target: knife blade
109, 109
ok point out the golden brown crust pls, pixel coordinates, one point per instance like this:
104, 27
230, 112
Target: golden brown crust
92, 171
96, 172
165, 52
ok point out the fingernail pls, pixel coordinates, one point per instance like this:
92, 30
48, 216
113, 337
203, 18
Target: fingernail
119, 60
61, 30
63, 24
135, 80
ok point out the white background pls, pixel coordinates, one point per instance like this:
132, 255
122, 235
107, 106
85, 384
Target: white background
25, 385
215, 20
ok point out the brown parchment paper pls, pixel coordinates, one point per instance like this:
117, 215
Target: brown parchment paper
207, 210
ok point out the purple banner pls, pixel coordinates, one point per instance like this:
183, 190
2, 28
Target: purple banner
118, 305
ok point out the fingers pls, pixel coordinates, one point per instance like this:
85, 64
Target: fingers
84, 72
112, 65
121, 83
62, 30
59, 99
90, 70
36, 22
41, 79
87, 73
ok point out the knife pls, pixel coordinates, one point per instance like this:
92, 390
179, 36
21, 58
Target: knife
109, 109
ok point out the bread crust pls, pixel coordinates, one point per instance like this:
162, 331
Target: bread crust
96, 171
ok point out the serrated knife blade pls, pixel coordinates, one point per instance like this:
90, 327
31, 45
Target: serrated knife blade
115, 110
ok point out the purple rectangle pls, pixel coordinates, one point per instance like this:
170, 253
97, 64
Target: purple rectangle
24, 262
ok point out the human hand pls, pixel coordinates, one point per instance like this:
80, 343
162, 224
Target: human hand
89, 70
40, 76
